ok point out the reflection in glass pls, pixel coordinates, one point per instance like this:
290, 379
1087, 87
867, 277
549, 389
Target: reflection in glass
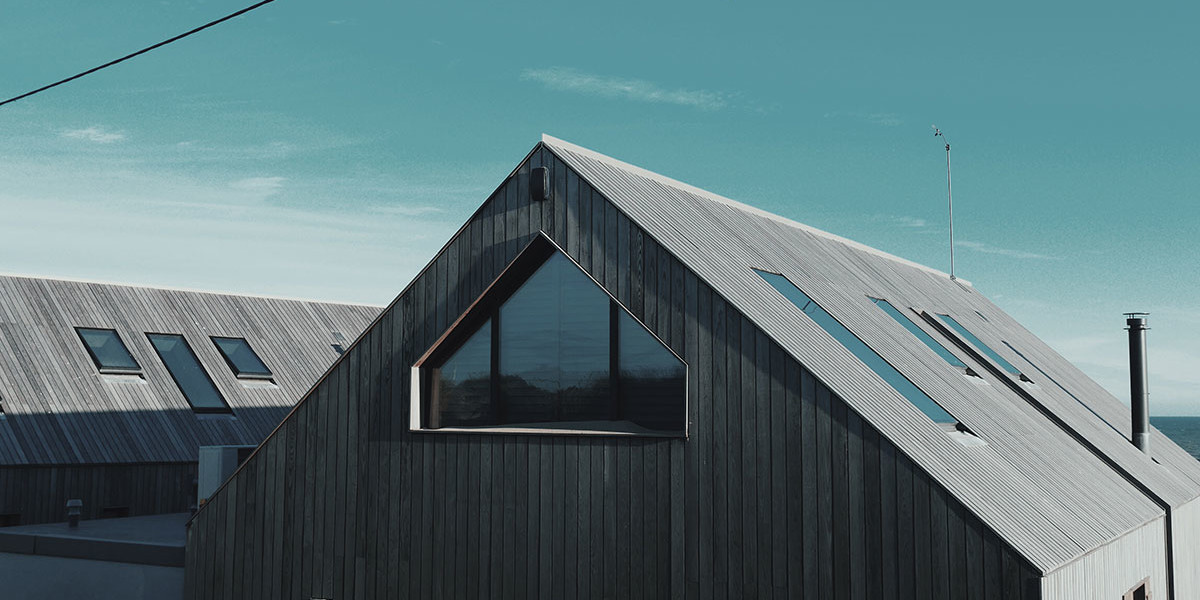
963, 331
920, 333
463, 383
107, 350
554, 355
241, 357
187, 372
651, 379
860, 349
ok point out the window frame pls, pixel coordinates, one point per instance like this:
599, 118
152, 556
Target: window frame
137, 370
923, 336
485, 308
267, 376
225, 409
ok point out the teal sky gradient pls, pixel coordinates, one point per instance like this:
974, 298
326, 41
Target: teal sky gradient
327, 150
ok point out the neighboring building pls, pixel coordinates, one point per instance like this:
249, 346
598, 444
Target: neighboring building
630, 387
108, 391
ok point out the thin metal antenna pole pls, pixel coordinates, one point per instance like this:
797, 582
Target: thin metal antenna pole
949, 196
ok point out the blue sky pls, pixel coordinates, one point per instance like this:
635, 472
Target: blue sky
326, 150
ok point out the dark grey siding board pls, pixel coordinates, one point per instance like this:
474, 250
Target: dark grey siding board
39, 493
746, 506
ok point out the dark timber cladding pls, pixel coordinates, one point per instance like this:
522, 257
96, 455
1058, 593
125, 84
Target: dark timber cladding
780, 489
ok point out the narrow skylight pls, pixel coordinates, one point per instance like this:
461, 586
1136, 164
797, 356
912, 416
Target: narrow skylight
963, 331
107, 350
919, 333
860, 349
241, 358
187, 372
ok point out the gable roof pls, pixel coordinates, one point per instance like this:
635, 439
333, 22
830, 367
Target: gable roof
60, 410
1055, 480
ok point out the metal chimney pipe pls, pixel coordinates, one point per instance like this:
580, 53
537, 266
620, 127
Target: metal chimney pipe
1139, 386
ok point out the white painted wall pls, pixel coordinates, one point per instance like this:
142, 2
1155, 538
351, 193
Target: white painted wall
1113, 569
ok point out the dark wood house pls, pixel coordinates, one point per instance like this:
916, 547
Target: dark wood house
610, 384
107, 391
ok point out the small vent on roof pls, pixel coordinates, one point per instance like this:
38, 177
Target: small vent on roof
340, 346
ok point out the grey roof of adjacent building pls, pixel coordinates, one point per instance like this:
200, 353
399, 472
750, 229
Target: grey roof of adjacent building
1054, 481
59, 409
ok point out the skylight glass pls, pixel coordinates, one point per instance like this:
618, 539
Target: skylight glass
1004, 364
919, 333
107, 350
241, 358
187, 372
860, 349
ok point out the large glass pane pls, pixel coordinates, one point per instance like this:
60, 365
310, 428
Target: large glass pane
187, 372
651, 379
241, 357
860, 349
462, 385
920, 333
963, 331
554, 348
107, 350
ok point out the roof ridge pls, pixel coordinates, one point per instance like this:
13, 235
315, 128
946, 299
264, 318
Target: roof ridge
4, 275
663, 179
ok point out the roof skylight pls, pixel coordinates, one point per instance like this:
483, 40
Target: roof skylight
241, 358
919, 333
970, 337
107, 350
187, 372
860, 349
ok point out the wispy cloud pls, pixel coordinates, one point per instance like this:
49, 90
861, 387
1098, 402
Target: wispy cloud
261, 186
903, 221
883, 119
95, 134
1009, 252
566, 79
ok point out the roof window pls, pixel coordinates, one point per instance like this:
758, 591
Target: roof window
921, 334
108, 351
189, 375
241, 358
860, 349
970, 337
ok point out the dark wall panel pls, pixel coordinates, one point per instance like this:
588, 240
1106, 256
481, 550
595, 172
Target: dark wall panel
779, 491
39, 494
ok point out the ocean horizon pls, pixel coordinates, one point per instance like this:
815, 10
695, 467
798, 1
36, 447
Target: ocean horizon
1184, 431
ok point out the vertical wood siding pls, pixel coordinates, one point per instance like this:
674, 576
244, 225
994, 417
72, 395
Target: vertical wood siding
779, 491
39, 494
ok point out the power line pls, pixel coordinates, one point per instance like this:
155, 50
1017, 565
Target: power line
139, 52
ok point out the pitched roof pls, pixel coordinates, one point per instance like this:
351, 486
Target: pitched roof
1036, 482
60, 410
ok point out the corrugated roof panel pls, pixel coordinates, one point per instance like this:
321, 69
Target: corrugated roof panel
1029, 462
62, 410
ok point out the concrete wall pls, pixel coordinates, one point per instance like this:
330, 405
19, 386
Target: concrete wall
27, 576
1113, 569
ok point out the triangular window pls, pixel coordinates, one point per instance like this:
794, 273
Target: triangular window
546, 348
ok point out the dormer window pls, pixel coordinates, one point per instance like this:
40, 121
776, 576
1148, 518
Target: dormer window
546, 349
108, 351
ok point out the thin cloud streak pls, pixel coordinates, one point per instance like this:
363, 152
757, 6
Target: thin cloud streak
94, 134
883, 119
566, 79
1009, 252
